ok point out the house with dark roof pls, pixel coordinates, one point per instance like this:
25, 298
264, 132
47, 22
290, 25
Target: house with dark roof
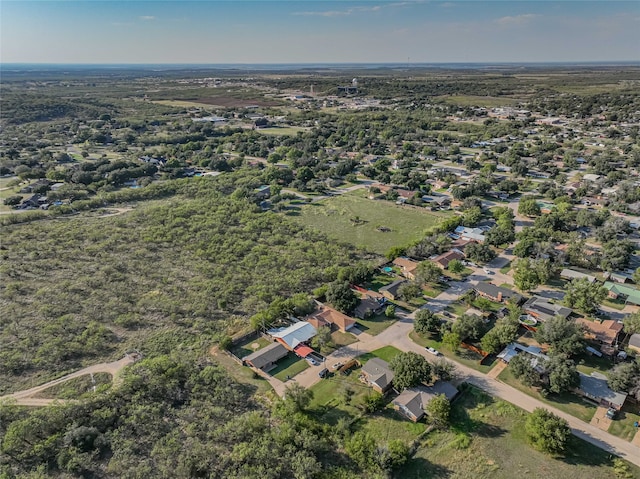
595, 387
266, 358
496, 293
371, 303
570, 274
377, 374
444, 259
390, 291
543, 310
412, 402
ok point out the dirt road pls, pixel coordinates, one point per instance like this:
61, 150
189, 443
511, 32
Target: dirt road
24, 398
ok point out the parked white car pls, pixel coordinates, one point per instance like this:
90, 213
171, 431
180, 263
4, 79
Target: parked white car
435, 352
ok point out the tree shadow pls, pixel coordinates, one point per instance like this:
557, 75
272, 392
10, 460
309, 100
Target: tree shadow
420, 468
581, 452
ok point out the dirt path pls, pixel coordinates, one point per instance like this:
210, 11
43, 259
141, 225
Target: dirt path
24, 398
497, 369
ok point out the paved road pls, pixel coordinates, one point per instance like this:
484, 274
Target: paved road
397, 335
24, 398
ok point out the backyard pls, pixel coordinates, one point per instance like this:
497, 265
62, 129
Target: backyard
566, 402
373, 225
487, 440
288, 367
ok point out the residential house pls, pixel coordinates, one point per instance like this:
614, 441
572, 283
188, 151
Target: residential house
327, 316
470, 234
570, 274
535, 355
371, 303
263, 192
408, 267
634, 342
266, 358
620, 291
543, 310
412, 402
390, 291
291, 336
595, 387
605, 332
377, 374
591, 177
444, 259
496, 293
594, 201
460, 244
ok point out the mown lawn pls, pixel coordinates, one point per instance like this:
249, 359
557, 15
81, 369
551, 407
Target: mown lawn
463, 356
487, 441
375, 324
567, 402
623, 425
335, 217
289, 366
249, 346
387, 353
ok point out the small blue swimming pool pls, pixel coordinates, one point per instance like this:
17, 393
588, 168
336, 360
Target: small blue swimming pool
387, 269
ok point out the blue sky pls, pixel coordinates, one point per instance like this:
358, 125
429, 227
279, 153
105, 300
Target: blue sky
270, 31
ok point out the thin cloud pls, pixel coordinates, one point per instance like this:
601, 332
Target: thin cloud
447, 5
517, 19
147, 18
354, 10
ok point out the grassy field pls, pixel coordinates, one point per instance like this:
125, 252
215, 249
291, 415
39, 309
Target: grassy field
335, 216
289, 366
614, 303
389, 424
472, 100
375, 324
567, 402
181, 103
281, 131
487, 441
463, 356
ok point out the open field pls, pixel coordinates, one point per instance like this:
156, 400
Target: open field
472, 100
282, 131
567, 402
386, 353
335, 217
487, 440
180, 103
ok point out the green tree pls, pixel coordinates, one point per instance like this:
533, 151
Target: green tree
12, 200
395, 455
390, 311
525, 276
443, 369
374, 402
427, 272
426, 322
469, 326
625, 377
563, 336
528, 206
547, 432
340, 295
584, 295
563, 375
361, 448
451, 340
455, 266
410, 369
297, 398
631, 323
410, 290
439, 409
480, 253
322, 340
522, 369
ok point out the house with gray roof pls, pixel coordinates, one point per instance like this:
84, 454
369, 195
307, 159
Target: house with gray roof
541, 309
595, 387
570, 274
377, 374
496, 293
390, 291
412, 402
266, 357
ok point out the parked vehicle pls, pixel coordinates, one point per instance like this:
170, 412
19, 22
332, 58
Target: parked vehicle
323, 373
612, 413
337, 366
433, 351
312, 361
